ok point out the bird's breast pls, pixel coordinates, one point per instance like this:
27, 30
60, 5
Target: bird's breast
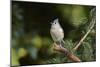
57, 34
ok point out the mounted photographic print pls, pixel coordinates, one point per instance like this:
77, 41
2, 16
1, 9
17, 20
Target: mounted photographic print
52, 33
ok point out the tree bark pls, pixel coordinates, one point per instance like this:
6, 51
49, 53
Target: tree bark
66, 53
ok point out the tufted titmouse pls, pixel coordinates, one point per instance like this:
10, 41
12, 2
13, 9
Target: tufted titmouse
57, 32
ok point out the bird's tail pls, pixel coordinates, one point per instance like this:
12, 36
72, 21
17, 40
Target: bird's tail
62, 43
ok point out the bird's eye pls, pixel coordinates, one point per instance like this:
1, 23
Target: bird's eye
55, 23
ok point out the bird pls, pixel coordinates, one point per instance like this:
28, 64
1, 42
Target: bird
57, 32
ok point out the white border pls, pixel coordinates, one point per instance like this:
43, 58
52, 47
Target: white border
82, 2
5, 33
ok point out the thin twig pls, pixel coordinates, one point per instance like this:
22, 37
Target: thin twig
80, 42
69, 55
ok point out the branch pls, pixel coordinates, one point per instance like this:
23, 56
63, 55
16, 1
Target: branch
80, 42
61, 49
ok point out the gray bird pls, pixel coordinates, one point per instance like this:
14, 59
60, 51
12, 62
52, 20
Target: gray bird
57, 32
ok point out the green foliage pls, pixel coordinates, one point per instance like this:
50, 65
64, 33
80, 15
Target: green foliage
14, 58
36, 41
87, 54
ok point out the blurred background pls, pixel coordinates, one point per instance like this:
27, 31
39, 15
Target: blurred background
31, 42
